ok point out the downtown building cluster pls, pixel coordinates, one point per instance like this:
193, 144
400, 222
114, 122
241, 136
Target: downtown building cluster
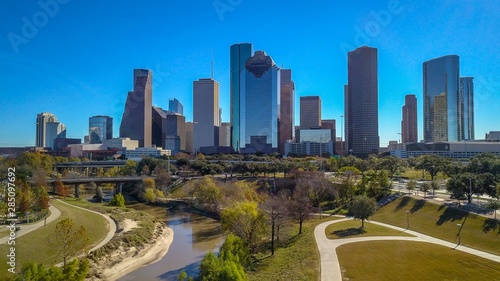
262, 115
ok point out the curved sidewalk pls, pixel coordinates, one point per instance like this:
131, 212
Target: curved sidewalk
330, 266
111, 231
27, 228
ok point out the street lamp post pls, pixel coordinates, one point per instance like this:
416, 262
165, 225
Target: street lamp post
459, 228
407, 219
470, 191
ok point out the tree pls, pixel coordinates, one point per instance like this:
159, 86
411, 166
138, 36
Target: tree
494, 205
411, 185
129, 169
362, 208
39, 178
235, 248
75, 270
98, 193
246, 221
316, 185
41, 198
117, 200
68, 240
24, 196
275, 208
465, 185
150, 195
213, 268
299, 207
425, 187
60, 188
208, 193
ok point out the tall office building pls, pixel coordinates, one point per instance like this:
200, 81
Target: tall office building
53, 131
260, 99
159, 123
239, 53
175, 132
286, 130
137, 117
100, 128
467, 106
176, 106
41, 128
205, 113
361, 110
225, 134
442, 121
409, 129
310, 112
189, 137
330, 124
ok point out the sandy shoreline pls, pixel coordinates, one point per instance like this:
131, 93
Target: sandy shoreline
133, 259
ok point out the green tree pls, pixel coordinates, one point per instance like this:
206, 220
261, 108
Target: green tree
425, 187
208, 193
117, 200
150, 195
411, 185
68, 240
129, 169
235, 248
246, 221
75, 270
213, 268
494, 205
362, 208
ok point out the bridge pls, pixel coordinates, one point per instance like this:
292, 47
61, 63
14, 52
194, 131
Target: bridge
76, 181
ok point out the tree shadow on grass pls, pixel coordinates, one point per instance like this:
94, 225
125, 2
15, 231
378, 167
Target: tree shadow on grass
342, 233
491, 225
452, 214
402, 203
417, 206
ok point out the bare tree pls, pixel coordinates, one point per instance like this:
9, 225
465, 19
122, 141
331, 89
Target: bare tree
299, 207
275, 209
68, 240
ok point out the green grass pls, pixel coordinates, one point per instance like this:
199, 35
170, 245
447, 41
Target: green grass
417, 175
299, 260
352, 229
4, 232
34, 245
441, 222
419, 261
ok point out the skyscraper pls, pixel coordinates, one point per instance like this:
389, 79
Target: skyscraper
286, 130
239, 53
467, 106
205, 113
137, 116
310, 112
442, 115
260, 99
100, 128
175, 132
176, 106
54, 130
409, 129
361, 110
41, 128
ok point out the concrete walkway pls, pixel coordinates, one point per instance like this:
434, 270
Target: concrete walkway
330, 266
111, 230
27, 228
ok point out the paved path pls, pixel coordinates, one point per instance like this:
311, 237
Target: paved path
27, 228
330, 266
111, 230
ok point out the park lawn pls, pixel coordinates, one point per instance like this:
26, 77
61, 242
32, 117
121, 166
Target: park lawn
34, 245
441, 222
4, 232
351, 229
417, 174
297, 261
408, 260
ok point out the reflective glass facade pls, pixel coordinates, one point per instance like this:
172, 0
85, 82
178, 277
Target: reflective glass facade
442, 116
176, 106
467, 106
100, 128
260, 98
239, 53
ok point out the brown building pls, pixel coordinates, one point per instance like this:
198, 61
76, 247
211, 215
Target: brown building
409, 129
310, 112
287, 114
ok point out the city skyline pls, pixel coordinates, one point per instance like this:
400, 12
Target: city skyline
75, 69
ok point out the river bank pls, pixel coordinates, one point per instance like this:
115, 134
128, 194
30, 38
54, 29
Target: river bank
123, 261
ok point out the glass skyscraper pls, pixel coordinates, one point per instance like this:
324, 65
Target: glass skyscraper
100, 128
442, 113
176, 106
260, 100
239, 53
467, 106
205, 113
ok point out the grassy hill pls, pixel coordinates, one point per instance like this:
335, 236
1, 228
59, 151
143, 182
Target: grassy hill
441, 222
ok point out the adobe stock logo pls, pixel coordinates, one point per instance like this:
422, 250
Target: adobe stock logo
223, 6
372, 28
30, 27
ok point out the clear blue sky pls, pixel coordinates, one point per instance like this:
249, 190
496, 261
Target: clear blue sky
79, 60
